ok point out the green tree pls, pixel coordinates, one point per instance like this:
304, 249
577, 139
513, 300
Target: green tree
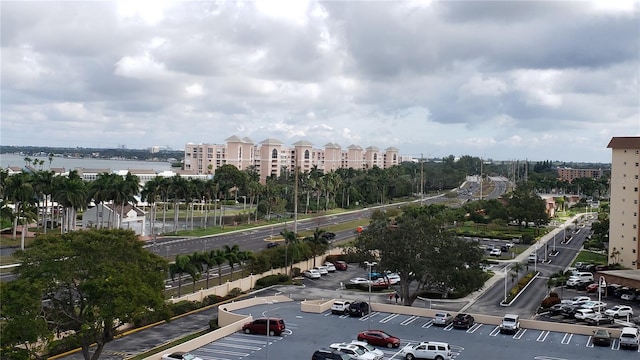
71, 193
24, 332
97, 280
20, 191
219, 258
231, 255
525, 206
183, 264
423, 253
317, 243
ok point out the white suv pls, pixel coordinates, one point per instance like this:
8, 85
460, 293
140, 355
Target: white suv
340, 306
619, 310
428, 350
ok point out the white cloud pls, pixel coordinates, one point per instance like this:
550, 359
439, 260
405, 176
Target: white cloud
140, 67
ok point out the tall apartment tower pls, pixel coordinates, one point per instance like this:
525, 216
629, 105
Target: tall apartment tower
624, 227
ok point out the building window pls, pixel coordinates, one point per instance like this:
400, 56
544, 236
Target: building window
274, 154
306, 154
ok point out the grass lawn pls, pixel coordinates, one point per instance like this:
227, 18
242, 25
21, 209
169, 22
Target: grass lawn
590, 258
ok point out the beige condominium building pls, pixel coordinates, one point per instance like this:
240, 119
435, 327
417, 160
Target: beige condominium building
272, 157
624, 227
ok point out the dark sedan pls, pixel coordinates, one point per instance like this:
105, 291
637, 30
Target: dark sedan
463, 321
601, 337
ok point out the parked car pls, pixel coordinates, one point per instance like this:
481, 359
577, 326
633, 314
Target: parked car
272, 245
428, 350
594, 305
495, 252
599, 319
601, 337
340, 306
259, 326
330, 267
578, 278
442, 319
510, 324
312, 274
341, 265
556, 309
322, 270
179, 355
367, 347
579, 300
619, 310
359, 309
569, 311
354, 351
627, 296
629, 338
379, 338
463, 321
583, 314
593, 287
329, 354
359, 280
392, 278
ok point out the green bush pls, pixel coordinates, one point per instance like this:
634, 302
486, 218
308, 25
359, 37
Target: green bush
67, 343
184, 306
271, 280
234, 293
213, 324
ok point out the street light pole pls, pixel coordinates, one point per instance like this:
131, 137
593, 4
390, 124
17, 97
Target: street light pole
268, 302
370, 265
601, 283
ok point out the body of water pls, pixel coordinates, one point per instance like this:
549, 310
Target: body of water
87, 163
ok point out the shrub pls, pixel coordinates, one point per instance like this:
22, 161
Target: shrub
234, 292
213, 324
184, 306
271, 280
550, 301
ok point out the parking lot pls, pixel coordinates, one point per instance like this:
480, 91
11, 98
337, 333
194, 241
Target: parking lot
307, 332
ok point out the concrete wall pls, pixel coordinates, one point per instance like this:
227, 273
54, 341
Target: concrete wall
249, 282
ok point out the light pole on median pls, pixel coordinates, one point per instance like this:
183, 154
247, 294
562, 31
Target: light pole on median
370, 265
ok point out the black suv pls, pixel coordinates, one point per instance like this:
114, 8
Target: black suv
359, 309
323, 354
463, 321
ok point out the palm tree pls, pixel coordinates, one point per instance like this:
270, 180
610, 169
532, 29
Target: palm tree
43, 185
177, 190
231, 254
151, 194
71, 193
20, 191
183, 264
206, 258
218, 258
243, 257
50, 159
318, 243
289, 238
100, 190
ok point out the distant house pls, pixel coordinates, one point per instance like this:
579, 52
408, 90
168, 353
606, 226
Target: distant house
102, 215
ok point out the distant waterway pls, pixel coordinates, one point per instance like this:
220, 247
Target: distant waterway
86, 163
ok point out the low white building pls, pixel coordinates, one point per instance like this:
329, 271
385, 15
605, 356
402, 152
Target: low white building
102, 215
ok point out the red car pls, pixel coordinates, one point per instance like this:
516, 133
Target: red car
379, 338
341, 265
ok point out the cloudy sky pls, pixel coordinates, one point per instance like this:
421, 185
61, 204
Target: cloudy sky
537, 80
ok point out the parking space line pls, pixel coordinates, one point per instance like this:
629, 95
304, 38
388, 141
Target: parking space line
495, 331
448, 327
589, 342
221, 352
615, 345
473, 329
389, 318
428, 324
519, 334
566, 339
543, 336
369, 315
409, 320
237, 346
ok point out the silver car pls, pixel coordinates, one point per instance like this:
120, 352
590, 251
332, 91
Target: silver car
442, 319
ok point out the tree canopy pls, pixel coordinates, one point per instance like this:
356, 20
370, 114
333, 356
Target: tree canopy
93, 281
423, 253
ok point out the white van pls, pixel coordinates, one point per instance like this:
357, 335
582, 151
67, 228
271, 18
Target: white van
532, 258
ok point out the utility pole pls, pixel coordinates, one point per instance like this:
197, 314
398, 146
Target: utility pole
421, 179
481, 178
295, 199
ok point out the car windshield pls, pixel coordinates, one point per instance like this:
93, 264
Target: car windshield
188, 357
359, 351
441, 315
369, 347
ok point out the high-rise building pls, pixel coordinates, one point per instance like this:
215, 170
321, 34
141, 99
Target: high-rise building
271, 157
624, 227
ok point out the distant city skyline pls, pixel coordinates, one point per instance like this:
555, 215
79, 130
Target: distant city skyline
536, 80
